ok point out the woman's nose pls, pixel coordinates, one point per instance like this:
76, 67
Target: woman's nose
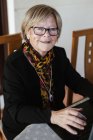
47, 33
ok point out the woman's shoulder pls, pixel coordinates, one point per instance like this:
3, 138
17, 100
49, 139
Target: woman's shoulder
59, 51
58, 48
15, 56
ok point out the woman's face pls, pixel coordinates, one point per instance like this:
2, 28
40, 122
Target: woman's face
45, 42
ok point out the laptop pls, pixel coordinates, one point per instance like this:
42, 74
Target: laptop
87, 106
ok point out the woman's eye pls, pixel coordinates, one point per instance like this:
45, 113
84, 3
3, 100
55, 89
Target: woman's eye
40, 28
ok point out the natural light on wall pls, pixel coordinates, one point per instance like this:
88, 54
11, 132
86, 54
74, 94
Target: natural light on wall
11, 17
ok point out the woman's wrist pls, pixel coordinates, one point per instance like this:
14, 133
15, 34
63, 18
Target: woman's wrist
52, 119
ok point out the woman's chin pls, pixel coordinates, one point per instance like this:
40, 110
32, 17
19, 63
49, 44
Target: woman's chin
46, 49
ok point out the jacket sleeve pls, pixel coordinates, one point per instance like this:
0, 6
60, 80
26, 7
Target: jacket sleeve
76, 82
15, 101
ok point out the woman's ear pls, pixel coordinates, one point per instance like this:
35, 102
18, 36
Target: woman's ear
28, 35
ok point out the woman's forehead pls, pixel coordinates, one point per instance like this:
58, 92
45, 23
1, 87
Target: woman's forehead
47, 20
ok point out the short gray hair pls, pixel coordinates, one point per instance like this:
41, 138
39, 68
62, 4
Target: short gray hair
38, 13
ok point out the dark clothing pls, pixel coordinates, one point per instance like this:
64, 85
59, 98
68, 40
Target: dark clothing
91, 134
23, 103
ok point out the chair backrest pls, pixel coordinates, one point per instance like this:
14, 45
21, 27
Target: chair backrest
12, 42
9, 43
2, 136
88, 55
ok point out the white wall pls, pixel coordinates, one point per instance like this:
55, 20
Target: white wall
11, 16
76, 14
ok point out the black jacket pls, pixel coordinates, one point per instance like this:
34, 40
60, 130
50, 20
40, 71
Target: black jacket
23, 103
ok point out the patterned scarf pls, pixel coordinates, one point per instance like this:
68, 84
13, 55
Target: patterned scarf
43, 67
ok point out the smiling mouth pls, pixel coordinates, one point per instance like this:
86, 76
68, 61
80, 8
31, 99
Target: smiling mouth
46, 42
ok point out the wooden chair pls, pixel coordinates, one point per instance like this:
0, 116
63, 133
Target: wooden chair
2, 136
12, 42
9, 43
88, 56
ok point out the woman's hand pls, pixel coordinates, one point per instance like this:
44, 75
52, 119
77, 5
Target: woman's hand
68, 117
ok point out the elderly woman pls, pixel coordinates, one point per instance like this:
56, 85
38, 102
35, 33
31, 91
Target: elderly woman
35, 77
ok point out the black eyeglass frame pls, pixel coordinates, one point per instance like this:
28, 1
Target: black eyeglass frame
45, 29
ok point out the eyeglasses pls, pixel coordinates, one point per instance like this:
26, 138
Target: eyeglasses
41, 31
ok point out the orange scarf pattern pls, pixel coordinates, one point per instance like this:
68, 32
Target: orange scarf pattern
43, 67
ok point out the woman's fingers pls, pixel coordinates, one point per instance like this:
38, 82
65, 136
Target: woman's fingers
78, 119
69, 117
70, 129
72, 121
75, 118
76, 125
76, 112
